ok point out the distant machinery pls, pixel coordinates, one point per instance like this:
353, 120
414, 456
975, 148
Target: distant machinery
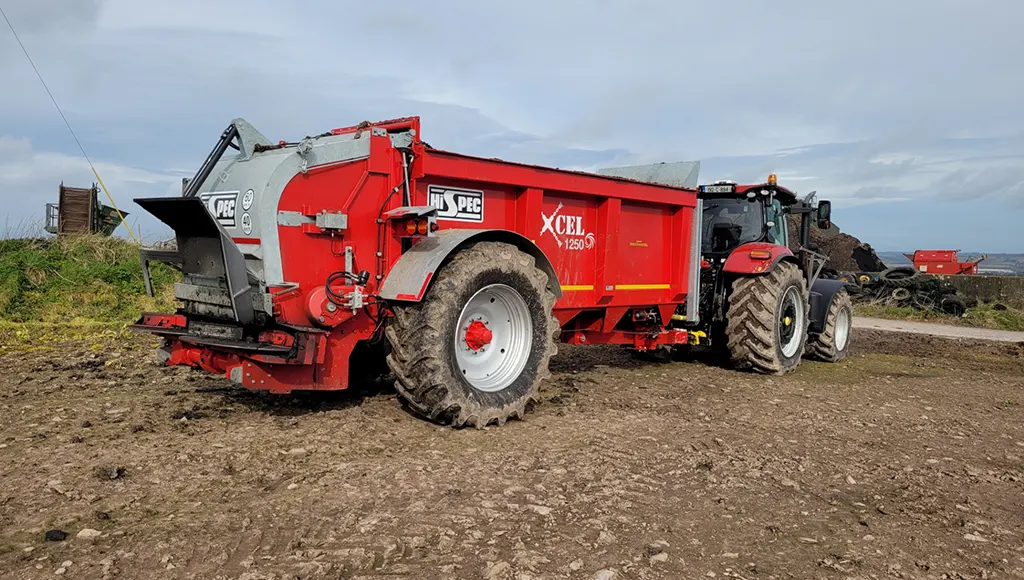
78, 210
943, 262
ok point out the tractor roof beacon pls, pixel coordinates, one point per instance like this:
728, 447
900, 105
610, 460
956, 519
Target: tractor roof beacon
307, 263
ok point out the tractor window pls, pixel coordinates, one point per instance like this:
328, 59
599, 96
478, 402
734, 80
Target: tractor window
731, 222
779, 233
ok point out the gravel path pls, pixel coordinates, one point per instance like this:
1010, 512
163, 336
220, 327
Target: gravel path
943, 330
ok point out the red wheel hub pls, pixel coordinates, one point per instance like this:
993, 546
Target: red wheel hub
478, 335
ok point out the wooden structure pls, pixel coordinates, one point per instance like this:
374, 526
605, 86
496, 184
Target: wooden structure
78, 210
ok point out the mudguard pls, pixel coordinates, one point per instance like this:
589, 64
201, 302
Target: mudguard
410, 277
740, 261
822, 294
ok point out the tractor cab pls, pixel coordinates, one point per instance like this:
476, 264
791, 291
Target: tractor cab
744, 226
735, 215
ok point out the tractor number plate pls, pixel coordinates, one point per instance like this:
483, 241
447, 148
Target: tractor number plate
718, 188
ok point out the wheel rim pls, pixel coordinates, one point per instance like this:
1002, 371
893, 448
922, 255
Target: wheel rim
842, 328
493, 338
791, 316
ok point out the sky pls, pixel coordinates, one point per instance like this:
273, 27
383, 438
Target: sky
907, 114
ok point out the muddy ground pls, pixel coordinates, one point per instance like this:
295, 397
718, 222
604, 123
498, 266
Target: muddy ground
902, 462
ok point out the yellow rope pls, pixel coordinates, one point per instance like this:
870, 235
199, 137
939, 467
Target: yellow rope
119, 214
61, 113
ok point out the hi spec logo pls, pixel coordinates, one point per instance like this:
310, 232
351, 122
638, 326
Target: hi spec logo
567, 230
221, 205
453, 203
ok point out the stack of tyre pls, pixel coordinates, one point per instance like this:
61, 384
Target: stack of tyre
904, 286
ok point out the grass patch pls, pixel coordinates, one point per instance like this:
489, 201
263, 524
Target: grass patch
20, 336
75, 284
983, 316
868, 366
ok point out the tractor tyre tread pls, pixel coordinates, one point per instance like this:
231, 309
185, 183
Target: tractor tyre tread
953, 305
908, 282
822, 347
752, 340
423, 349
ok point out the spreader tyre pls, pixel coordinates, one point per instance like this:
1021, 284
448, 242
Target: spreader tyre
834, 341
899, 276
476, 349
767, 320
954, 305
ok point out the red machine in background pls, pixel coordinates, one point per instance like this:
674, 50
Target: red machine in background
942, 262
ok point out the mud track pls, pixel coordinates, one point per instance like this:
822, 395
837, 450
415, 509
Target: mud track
903, 461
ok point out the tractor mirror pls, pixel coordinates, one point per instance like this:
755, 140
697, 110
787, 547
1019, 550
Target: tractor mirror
824, 214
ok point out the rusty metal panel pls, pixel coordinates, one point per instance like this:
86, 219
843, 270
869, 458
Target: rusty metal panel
213, 330
204, 294
76, 207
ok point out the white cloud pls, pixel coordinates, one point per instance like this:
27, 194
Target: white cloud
871, 102
29, 179
854, 174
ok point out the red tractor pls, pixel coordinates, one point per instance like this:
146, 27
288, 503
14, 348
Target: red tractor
759, 302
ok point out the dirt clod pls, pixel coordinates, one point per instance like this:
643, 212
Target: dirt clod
109, 472
845, 252
55, 535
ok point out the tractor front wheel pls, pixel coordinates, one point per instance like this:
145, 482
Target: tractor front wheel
767, 321
476, 349
832, 344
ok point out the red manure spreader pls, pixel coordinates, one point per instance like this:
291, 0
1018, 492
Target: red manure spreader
943, 262
304, 262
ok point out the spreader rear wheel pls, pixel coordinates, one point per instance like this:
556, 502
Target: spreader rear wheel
476, 349
833, 342
767, 320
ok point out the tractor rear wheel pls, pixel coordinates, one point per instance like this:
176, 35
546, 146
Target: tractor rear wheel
834, 341
476, 349
767, 321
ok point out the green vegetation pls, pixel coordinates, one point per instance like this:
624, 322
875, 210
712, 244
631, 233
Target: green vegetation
983, 316
82, 282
